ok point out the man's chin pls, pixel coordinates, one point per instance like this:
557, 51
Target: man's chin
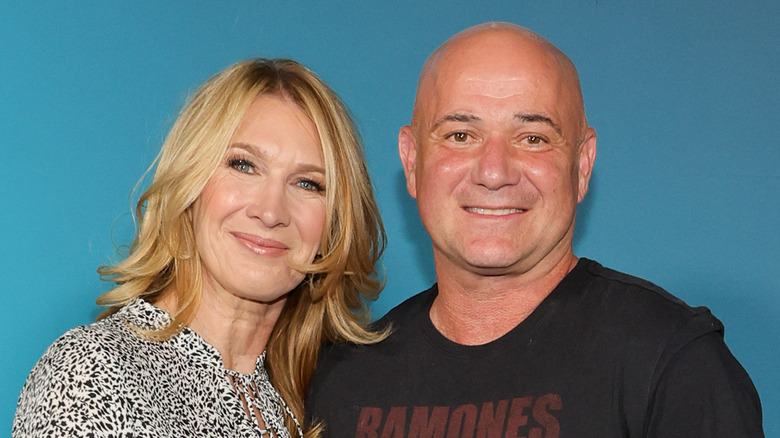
494, 266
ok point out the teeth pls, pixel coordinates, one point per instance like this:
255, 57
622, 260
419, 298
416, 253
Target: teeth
493, 212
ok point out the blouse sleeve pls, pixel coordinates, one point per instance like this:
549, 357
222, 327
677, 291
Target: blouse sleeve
73, 391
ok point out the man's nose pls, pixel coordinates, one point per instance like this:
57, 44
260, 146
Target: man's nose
496, 165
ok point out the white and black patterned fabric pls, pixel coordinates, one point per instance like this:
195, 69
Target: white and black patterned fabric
103, 380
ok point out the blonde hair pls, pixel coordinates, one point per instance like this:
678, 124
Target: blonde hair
330, 304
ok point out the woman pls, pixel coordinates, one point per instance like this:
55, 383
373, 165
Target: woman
257, 242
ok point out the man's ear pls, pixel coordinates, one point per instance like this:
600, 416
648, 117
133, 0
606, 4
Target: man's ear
407, 151
587, 155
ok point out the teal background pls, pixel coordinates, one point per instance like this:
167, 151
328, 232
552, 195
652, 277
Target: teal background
685, 98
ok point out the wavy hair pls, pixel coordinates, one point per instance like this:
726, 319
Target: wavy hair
330, 303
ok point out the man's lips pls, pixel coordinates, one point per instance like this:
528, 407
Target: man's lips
494, 211
260, 245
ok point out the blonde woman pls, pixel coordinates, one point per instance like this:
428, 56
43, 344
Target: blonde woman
256, 243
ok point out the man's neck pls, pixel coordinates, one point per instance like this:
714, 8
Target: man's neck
475, 310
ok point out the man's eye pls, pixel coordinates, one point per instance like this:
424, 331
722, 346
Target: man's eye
534, 139
459, 137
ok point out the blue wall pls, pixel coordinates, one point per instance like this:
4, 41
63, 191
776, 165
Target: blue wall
685, 98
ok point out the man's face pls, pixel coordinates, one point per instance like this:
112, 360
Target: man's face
494, 158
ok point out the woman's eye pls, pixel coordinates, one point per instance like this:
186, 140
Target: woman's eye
310, 185
241, 165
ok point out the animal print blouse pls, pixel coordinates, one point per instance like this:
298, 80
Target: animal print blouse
102, 380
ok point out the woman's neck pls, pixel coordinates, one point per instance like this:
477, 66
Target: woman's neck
238, 328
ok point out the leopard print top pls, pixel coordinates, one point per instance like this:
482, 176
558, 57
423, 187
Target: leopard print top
103, 380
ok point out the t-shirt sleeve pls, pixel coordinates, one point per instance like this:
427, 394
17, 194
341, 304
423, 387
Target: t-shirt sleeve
73, 391
701, 390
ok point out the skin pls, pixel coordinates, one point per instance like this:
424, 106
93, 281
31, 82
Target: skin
498, 156
263, 207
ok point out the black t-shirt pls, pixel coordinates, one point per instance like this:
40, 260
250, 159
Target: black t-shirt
604, 355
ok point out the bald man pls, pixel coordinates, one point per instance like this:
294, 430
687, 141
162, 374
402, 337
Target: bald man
519, 337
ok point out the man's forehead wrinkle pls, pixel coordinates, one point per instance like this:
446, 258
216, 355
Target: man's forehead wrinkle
496, 85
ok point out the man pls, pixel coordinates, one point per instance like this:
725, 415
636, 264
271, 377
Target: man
520, 338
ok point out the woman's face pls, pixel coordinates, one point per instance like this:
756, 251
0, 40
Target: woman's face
264, 205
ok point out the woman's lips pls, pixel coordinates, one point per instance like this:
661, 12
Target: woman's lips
259, 245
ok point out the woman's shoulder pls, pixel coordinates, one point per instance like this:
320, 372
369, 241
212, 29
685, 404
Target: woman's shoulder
76, 384
108, 343
90, 377
84, 349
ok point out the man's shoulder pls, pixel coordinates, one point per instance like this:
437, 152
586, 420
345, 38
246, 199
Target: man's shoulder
401, 321
622, 279
345, 368
619, 295
410, 309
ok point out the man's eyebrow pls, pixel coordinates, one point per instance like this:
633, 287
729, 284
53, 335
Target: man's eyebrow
456, 117
522, 117
538, 118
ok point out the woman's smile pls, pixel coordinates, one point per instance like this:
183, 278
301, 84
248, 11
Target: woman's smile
260, 245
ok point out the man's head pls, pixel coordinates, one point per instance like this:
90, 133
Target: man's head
499, 152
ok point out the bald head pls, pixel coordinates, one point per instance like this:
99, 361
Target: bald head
498, 156
499, 52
